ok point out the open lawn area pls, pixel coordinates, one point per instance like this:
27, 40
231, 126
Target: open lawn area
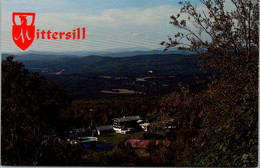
115, 138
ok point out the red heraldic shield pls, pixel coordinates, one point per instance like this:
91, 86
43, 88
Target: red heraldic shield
23, 34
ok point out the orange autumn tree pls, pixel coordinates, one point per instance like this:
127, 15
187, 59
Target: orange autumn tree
226, 40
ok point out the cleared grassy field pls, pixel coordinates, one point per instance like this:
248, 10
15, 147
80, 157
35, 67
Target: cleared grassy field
115, 138
119, 91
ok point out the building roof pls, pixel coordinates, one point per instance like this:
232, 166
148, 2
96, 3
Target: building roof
129, 118
78, 130
145, 124
103, 128
139, 121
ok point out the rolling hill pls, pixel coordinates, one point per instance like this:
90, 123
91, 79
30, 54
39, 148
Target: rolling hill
96, 76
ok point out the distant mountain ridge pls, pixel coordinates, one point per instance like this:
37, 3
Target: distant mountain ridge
168, 64
46, 55
89, 76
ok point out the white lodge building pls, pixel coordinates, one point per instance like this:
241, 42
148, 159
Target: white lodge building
126, 125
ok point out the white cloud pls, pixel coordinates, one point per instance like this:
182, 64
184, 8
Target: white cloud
109, 29
112, 28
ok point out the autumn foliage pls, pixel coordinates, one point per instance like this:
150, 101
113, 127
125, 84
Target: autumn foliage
218, 126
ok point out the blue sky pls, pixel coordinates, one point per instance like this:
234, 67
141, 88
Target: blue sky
76, 6
109, 23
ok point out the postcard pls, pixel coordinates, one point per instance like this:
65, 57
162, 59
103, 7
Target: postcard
129, 83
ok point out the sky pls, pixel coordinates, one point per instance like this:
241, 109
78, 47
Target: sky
109, 23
